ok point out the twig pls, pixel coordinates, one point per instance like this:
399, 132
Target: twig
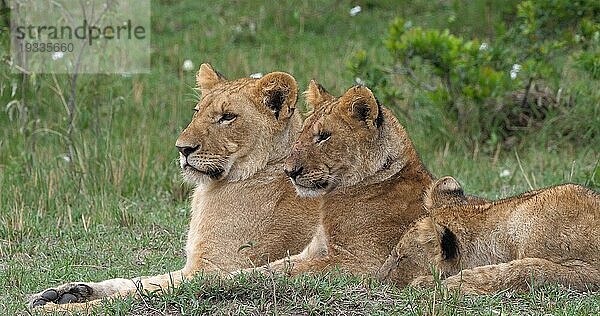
56, 88
407, 70
572, 171
496, 154
19, 68
526, 95
523, 171
593, 175
72, 101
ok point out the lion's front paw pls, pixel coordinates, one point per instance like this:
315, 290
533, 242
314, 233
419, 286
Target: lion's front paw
467, 283
64, 294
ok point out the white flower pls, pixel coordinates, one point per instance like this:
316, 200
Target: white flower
256, 75
356, 10
514, 71
505, 173
57, 55
483, 46
66, 158
188, 65
360, 81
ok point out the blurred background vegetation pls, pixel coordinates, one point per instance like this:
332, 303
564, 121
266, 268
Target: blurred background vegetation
504, 95
530, 66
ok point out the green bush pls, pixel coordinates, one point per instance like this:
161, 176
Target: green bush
494, 90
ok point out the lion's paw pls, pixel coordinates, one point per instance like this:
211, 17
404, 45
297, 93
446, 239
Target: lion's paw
64, 294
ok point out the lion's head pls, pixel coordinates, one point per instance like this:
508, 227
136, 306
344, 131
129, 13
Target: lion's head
239, 126
444, 191
344, 141
428, 241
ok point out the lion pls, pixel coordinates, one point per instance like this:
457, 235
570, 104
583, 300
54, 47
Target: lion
545, 236
357, 159
245, 212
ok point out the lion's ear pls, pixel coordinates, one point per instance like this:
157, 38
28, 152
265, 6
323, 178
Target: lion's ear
444, 191
448, 244
278, 91
438, 240
207, 77
361, 104
316, 95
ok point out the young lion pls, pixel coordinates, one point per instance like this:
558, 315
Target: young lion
358, 159
545, 236
233, 151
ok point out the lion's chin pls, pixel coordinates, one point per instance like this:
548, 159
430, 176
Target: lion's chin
312, 191
309, 193
198, 177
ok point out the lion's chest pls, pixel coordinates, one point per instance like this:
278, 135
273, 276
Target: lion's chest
237, 211
227, 220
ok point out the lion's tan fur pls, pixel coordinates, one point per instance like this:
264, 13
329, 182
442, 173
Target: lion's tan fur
358, 159
247, 213
545, 236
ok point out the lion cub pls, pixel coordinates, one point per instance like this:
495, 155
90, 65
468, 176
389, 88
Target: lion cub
544, 236
245, 212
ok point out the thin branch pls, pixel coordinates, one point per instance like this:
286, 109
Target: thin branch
411, 76
523, 171
56, 88
526, 95
71, 104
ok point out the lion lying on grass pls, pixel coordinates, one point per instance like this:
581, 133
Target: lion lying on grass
245, 212
545, 236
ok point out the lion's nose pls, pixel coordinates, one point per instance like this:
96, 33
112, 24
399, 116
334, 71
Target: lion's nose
294, 172
186, 150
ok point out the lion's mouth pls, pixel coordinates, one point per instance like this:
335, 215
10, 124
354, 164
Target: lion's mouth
214, 173
321, 185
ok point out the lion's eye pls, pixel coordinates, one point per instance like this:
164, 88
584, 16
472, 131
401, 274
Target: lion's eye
322, 136
227, 118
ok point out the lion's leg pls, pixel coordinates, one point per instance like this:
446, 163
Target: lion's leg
317, 248
281, 266
520, 274
315, 265
78, 296
81, 292
294, 265
388, 270
163, 282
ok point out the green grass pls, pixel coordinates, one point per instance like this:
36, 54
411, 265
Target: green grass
118, 207
335, 294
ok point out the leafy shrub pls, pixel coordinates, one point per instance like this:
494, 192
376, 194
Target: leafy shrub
493, 90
